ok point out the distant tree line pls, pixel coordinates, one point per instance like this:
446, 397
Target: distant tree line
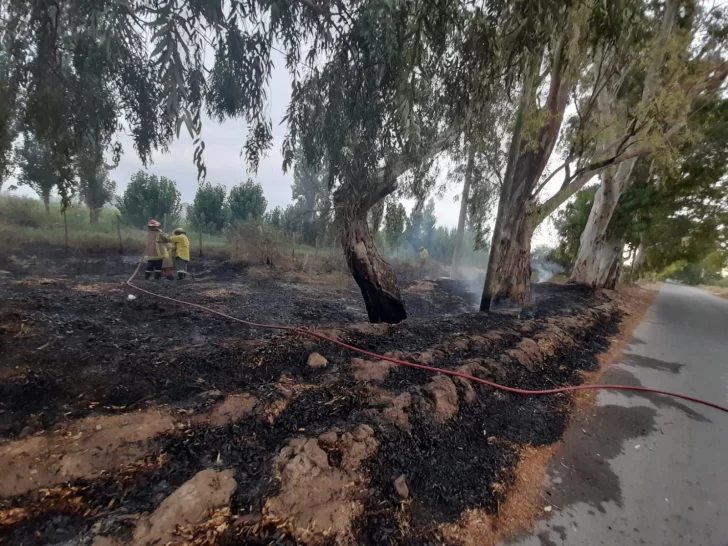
149, 196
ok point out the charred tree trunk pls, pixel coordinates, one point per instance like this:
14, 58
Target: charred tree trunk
511, 282
600, 254
375, 277
458, 253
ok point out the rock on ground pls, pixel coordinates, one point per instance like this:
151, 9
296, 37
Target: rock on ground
400, 486
315, 360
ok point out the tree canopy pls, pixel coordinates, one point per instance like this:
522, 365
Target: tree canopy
208, 212
150, 197
246, 201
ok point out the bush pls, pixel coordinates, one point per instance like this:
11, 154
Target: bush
21, 211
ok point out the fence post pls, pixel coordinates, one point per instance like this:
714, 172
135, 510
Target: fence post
118, 233
202, 223
65, 229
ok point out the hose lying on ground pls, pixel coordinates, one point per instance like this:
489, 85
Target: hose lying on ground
433, 369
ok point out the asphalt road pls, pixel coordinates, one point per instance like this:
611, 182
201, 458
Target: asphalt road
635, 470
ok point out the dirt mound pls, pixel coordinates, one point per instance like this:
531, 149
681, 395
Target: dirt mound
207, 491
82, 450
322, 498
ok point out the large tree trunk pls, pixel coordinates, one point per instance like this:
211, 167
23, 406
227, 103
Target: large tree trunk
639, 259
458, 253
94, 216
600, 255
492, 284
47, 202
375, 277
508, 277
510, 286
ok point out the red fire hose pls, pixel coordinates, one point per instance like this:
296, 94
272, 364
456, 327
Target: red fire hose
454, 373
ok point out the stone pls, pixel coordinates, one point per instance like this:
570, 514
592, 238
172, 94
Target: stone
367, 370
27, 431
315, 360
400, 486
188, 505
214, 393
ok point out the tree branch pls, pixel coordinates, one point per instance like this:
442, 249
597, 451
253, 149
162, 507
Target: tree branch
548, 178
541, 211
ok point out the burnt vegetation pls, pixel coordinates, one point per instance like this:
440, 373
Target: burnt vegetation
75, 348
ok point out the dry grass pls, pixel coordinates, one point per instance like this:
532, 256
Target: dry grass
524, 503
276, 256
719, 291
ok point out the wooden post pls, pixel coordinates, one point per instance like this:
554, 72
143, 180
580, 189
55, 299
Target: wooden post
65, 228
202, 223
293, 245
315, 253
118, 233
164, 222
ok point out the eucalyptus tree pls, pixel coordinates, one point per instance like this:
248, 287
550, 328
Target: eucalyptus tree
681, 68
574, 65
96, 188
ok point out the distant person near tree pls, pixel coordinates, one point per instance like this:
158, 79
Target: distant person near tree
156, 250
424, 255
181, 252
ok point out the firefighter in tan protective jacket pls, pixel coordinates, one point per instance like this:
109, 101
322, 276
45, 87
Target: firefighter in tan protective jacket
156, 250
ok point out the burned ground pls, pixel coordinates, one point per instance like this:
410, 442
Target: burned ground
76, 353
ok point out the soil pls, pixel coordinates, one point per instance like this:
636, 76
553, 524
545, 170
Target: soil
108, 405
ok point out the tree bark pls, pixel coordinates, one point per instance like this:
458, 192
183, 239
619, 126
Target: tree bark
47, 203
514, 149
94, 216
508, 277
375, 277
511, 283
460, 235
639, 258
600, 254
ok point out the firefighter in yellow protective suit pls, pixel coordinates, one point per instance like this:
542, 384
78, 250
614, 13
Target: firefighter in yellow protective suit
423, 257
156, 250
181, 252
